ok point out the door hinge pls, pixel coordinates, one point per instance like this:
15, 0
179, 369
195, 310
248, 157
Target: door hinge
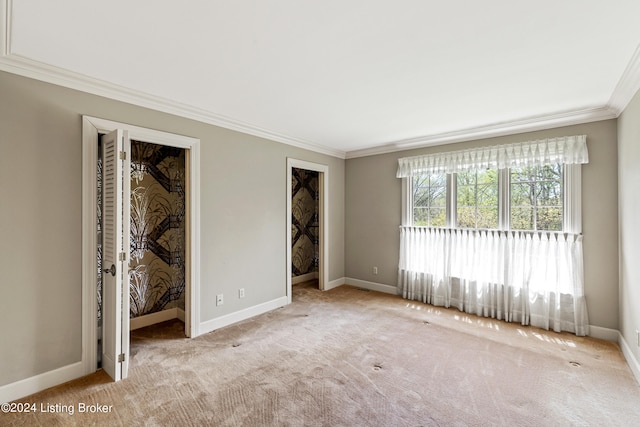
121, 358
123, 155
122, 256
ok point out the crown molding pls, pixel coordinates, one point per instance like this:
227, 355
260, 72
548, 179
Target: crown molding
624, 91
27, 67
628, 84
40, 71
531, 124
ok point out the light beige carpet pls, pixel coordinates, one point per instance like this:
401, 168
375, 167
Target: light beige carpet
349, 357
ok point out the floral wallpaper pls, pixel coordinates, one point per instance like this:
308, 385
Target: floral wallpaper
157, 241
157, 235
304, 222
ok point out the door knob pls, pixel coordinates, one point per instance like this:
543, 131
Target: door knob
111, 270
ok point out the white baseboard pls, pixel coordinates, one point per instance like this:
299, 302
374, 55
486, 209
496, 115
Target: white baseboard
229, 319
153, 318
180, 314
304, 278
604, 333
335, 283
22, 388
373, 286
633, 363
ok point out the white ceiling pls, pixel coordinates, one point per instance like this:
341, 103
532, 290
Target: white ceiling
342, 77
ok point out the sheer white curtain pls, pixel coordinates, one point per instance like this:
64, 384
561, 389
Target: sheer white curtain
534, 278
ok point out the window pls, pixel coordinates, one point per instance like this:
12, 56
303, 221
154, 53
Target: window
477, 199
430, 200
531, 186
496, 231
537, 198
534, 199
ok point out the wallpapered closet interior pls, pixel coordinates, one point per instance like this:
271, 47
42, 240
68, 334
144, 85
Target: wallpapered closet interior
305, 230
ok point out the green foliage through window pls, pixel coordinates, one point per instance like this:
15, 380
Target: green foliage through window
477, 199
536, 199
430, 200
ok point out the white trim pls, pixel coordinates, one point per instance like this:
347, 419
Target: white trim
27, 386
238, 316
622, 94
628, 84
143, 134
372, 286
44, 72
323, 184
91, 126
572, 218
500, 129
180, 314
407, 202
572, 200
192, 295
153, 318
6, 13
335, 283
89, 246
504, 199
27, 67
304, 277
33, 69
604, 333
633, 363
451, 211
47, 73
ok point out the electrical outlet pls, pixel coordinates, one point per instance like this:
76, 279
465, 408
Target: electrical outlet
241, 293
219, 299
375, 270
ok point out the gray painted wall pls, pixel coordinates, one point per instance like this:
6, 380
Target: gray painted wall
244, 219
629, 193
373, 214
243, 215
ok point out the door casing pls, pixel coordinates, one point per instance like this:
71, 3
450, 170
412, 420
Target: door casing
91, 128
323, 185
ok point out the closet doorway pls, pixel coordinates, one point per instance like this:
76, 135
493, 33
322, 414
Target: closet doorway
307, 225
145, 196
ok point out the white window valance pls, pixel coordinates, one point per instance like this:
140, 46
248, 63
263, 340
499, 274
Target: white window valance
566, 150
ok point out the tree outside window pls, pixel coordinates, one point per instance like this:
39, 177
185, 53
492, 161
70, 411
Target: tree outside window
477, 199
430, 200
536, 201
537, 198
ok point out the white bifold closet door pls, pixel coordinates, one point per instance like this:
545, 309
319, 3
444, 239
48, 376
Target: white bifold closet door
116, 148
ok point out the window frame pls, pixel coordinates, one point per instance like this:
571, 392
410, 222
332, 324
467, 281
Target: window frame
536, 207
455, 206
430, 207
571, 209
